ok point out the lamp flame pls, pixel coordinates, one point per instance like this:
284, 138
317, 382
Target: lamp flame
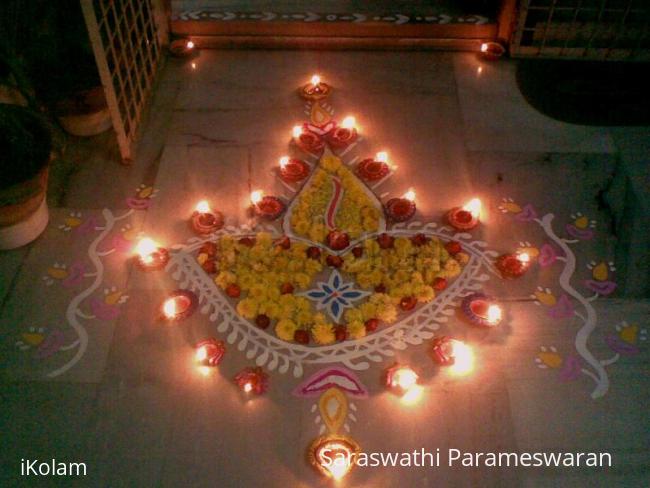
524, 257
256, 197
284, 160
315, 80
494, 314
203, 207
412, 395
404, 378
473, 207
463, 359
410, 195
145, 248
169, 308
381, 156
484, 47
248, 387
297, 130
349, 122
201, 354
190, 45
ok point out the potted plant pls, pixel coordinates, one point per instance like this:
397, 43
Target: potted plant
25, 146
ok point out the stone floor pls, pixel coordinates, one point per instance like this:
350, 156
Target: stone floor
138, 413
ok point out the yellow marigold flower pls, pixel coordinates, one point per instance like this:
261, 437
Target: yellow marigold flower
353, 315
303, 318
302, 280
247, 308
285, 329
452, 268
462, 258
372, 247
319, 318
224, 278
312, 266
272, 309
370, 224
330, 163
301, 227
257, 290
424, 293
264, 239
368, 310
356, 329
202, 258
317, 232
323, 333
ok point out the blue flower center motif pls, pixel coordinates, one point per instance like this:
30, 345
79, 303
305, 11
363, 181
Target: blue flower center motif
335, 295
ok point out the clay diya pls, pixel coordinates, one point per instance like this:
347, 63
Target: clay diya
344, 135
466, 217
401, 209
182, 48
307, 140
293, 170
210, 352
150, 256
315, 89
267, 207
179, 305
374, 169
252, 381
481, 310
491, 50
513, 265
205, 221
333, 455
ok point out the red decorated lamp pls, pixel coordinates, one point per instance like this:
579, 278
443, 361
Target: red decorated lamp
253, 381
513, 265
315, 89
481, 310
209, 352
403, 381
446, 351
150, 256
333, 455
308, 141
401, 209
179, 305
465, 217
344, 135
204, 220
267, 207
293, 170
491, 50
182, 48
374, 169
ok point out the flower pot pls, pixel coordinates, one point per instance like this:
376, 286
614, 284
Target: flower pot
85, 114
25, 145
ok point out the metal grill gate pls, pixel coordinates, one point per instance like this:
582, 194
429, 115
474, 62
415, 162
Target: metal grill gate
127, 46
583, 29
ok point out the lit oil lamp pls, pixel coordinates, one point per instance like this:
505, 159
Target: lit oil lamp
513, 265
182, 48
150, 256
179, 305
204, 220
446, 351
400, 379
465, 217
293, 170
344, 135
481, 310
492, 51
315, 89
401, 209
308, 141
374, 169
266, 206
333, 455
252, 381
209, 352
